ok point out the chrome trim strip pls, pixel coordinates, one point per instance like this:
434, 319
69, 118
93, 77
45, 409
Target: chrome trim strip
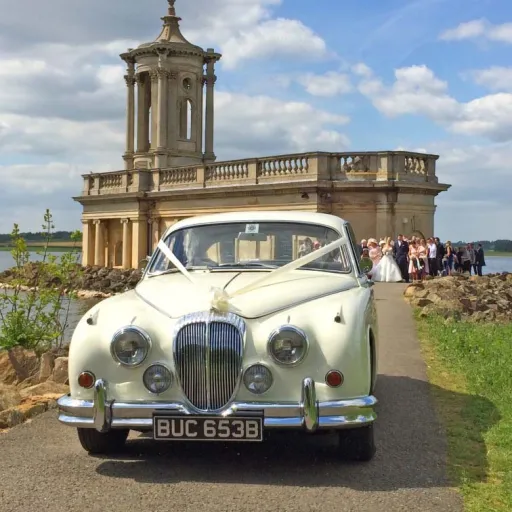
308, 414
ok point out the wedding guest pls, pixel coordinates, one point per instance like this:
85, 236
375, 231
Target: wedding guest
366, 263
432, 257
465, 260
414, 266
479, 259
401, 252
423, 258
448, 258
440, 254
472, 259
375, 252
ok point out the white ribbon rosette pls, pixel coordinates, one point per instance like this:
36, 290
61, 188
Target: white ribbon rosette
220, 299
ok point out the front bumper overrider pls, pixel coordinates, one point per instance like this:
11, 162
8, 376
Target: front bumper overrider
309, 414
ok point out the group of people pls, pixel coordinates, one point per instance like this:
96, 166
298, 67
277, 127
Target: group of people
414, 258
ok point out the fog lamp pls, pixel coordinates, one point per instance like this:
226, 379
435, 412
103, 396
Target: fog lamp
157, 378
258, 379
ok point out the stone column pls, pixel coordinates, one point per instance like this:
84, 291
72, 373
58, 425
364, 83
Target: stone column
154, 110
155, 233
210, 78
130, 116
172, 111
99, 246
127, 243
141, 103
87, 244
161, 135
139, 241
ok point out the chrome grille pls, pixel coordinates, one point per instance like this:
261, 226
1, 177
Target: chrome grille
208, 354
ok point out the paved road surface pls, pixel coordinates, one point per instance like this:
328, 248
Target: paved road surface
43, 468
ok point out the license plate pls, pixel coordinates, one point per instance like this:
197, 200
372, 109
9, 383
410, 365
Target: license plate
207, 428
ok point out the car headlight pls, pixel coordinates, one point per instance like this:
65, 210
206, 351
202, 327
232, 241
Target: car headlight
288, 345
258, 379
130, 346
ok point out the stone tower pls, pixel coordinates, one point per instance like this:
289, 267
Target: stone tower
166, 80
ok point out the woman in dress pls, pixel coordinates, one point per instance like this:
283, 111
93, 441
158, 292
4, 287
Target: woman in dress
387, 270
414, 262
375, 253
423, 259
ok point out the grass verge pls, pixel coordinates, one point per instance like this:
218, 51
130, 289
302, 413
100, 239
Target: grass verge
470, 369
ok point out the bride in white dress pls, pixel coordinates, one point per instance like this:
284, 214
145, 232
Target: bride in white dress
387, 271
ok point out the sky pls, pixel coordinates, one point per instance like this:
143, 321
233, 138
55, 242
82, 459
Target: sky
432, 76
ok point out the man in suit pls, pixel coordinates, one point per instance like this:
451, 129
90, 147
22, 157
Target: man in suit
479, 259
401, 254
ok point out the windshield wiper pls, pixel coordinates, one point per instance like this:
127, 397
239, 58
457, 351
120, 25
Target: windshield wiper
249, 264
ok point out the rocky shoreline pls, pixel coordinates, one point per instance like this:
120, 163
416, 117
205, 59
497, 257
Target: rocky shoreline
94, 282
30, 384
477, 299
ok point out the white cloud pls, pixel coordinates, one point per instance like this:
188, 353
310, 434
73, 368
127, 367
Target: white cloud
416, 90
271, 38
495, 78
479, 29
327, 85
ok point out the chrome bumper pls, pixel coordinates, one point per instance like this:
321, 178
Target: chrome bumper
308, 414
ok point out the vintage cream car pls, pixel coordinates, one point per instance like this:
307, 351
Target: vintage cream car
242, 323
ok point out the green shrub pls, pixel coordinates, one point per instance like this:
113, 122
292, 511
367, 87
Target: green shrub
36, 317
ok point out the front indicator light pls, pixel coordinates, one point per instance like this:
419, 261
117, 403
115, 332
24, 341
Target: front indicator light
258, 379
86, 380
334, 378
157, 378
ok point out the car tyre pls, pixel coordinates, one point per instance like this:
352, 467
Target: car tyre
357, 444
99, 443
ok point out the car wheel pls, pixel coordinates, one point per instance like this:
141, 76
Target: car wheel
357, 444
96, 442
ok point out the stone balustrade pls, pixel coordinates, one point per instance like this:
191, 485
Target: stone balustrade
401, 166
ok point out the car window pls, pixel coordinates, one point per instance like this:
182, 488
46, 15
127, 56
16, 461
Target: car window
273, 244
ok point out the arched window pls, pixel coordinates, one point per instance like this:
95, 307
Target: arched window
185, 119
189, 119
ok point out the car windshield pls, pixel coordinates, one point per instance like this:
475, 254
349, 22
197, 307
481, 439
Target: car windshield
263, 245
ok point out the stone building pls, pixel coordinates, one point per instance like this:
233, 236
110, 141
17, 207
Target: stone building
169, 174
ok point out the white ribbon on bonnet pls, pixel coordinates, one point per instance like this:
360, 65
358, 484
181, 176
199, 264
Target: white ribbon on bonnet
220, 298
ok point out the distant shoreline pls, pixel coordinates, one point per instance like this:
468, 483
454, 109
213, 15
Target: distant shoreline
40, 246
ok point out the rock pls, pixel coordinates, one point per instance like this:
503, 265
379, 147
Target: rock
45, 388
11, 418
60, 372
46, 367
9, 397
471, 298
17, 366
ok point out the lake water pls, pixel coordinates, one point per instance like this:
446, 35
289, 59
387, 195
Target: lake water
79, 308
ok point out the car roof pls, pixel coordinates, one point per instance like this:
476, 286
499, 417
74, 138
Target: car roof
323, 219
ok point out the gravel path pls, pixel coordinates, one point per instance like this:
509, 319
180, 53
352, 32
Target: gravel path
43, 467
